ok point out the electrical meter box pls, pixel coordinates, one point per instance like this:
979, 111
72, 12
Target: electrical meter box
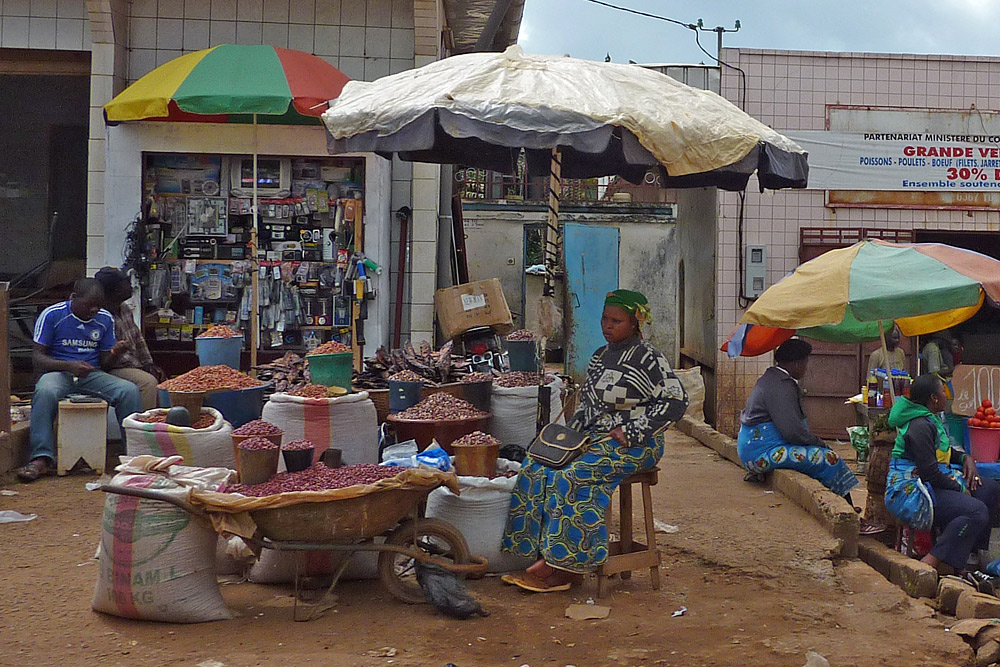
756, 271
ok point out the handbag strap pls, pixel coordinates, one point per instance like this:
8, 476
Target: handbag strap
565, 405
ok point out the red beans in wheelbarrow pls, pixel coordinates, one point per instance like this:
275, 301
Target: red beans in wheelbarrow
319, 477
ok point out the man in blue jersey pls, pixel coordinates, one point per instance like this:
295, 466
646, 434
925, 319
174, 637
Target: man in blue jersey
74, 340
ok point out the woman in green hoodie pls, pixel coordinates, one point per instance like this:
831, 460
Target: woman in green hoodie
924, 467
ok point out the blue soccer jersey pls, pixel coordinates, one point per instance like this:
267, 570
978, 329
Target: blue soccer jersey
68, 338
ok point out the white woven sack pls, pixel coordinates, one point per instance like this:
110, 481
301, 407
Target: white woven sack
480, 514
202, 447
349, 423
694, 385
156, 561
515, 409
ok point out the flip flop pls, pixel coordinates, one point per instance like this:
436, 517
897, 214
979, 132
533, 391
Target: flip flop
536, 585
34, 470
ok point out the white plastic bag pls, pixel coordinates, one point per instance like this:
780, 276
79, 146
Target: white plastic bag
480, 514
156, 561
348, 423
202, 447
515, 409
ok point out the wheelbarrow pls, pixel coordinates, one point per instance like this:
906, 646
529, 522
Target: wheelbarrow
349, 525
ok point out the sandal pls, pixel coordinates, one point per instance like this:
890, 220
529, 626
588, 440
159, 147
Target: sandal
529, 583
34, 470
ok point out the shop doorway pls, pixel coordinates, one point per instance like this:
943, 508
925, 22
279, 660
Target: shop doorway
45, 104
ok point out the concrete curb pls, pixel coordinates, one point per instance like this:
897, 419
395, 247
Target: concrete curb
833, 512
919, 580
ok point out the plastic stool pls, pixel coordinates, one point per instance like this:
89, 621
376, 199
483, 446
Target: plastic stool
624, 554
82, 434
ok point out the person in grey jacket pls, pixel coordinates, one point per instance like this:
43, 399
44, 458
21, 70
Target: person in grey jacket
774, 432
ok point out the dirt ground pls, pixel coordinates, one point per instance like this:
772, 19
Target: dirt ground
752, 569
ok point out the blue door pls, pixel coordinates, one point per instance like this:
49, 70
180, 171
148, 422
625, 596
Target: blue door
591, 253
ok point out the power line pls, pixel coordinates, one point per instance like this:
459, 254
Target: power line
692, 26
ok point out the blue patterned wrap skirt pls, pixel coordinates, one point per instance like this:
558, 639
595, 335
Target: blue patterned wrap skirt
559, 515
761, 448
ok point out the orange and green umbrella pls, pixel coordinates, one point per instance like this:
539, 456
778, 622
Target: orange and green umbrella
846, 295
232, 83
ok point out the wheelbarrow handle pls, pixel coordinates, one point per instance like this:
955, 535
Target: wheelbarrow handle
154, 495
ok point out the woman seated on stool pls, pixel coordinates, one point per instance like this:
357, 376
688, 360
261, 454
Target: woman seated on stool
629, 398
964, 505
774, 433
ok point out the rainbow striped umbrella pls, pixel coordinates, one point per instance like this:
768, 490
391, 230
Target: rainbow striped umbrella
848, 295
231, 83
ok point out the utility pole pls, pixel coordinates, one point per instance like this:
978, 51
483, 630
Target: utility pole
719, 31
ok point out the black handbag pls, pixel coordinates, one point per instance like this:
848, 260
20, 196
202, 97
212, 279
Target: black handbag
556, 446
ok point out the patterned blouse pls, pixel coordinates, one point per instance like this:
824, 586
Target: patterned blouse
631, 385
137, 355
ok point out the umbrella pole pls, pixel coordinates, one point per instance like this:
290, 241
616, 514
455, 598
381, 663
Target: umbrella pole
885, 355
547, 311
255, 263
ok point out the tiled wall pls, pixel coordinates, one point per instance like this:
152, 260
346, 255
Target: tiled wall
790, 91
44, 24
365, 39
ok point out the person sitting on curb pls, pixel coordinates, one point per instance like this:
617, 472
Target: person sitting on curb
774, 433
135, 364
73, 341
964, 505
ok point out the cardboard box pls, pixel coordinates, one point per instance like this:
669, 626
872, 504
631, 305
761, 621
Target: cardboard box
479, 304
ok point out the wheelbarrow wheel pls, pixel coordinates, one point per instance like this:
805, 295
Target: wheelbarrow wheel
432, 536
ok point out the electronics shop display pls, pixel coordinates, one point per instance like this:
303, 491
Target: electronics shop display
196, 262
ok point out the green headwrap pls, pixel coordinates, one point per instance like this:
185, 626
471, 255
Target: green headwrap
634, 302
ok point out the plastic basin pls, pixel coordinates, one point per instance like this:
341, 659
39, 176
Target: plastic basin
522, 355
478, 393
445, 432
984, 444
403, 395
331, 370
219, 351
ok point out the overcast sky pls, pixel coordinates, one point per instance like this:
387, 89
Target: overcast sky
586, 30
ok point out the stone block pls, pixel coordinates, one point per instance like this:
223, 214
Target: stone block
918, 579
977, 605
988, 653
949, 590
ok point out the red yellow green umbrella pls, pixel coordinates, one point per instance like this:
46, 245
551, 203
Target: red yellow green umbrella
231, 83
847, 295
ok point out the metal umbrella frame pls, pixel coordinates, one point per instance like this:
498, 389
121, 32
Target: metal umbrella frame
573, 118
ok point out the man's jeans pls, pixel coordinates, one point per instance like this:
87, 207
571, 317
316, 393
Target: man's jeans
52, 387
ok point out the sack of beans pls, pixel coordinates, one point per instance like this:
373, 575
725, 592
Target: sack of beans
480, 514
515, 408
156, 561
204, 447
348, 423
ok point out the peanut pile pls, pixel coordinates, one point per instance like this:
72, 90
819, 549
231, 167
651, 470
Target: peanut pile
317, 478
476, 439
333, 347
521, 379
296, 445
521, 334
407, 376
210, 378
257, 444
472, 378
219, 331
441, 407
205, 420
310, 391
